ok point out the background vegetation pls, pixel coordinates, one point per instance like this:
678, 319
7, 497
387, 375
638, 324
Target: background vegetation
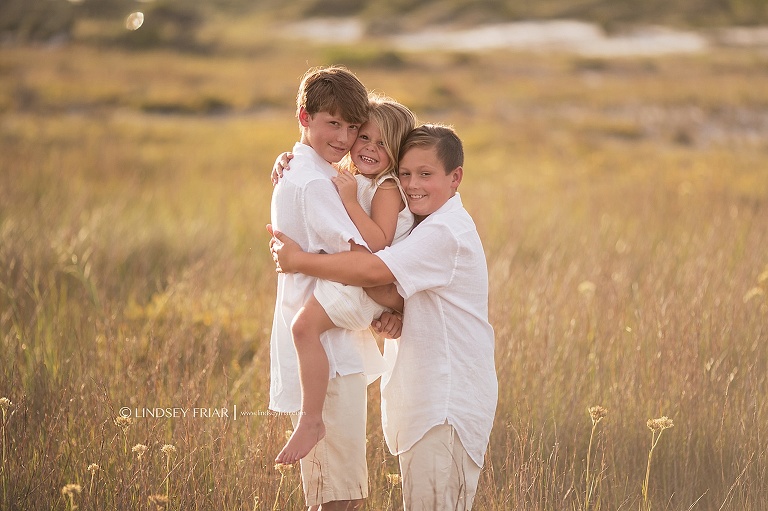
622, 204
176, 22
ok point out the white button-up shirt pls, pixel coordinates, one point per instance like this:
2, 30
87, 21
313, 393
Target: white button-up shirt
307, 208
443, 364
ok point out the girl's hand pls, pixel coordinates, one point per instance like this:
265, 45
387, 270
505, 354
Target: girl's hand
390, 324
346, 184
281, 164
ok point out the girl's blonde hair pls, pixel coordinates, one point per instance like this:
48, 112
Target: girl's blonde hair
395, 121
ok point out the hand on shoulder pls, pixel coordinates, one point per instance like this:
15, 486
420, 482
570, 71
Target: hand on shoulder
282, 163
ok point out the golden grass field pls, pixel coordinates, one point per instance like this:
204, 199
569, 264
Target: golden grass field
623, 206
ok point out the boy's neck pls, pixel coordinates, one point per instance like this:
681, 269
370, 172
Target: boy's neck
334, 165
421, 218
305, 141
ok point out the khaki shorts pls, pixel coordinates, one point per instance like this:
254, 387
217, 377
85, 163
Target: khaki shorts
349, 307
438, 474
336, 468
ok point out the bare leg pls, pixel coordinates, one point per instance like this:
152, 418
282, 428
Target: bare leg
309, 323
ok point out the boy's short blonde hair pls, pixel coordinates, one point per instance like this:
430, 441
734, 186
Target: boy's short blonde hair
335, 90
395, 122
450, 150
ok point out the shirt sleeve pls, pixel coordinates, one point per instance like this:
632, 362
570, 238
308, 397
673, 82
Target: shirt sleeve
426, 259
329, 227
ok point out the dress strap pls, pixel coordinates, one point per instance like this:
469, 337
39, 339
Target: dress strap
397, 182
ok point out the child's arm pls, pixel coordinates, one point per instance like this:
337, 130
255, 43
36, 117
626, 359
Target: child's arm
354, 268
378, 230
387, 296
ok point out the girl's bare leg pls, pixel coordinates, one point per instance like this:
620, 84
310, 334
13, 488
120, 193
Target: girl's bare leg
309, 323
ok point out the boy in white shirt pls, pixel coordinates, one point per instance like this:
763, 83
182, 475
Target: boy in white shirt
439, 399
331, 106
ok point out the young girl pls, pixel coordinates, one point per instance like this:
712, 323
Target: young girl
371, 193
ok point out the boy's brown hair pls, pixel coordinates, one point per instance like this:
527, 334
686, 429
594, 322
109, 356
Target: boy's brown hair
450, 150
335, 90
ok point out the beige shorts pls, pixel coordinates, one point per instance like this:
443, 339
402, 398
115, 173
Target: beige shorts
336, 468
438, 474
349, 307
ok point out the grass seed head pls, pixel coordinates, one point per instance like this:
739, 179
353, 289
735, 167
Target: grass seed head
5, 403
168, 449
597, 413
660, 424
123, 422
71, 489
139, 449
93, 467
283, 468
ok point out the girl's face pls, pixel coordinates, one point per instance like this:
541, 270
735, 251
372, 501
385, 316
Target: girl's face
368, 152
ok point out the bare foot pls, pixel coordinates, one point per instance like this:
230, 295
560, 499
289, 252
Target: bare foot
306, 435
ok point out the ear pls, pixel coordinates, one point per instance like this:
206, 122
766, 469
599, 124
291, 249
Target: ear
304, 117
456, 176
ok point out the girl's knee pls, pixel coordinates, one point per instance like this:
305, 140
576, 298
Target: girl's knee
310, 322
302, 328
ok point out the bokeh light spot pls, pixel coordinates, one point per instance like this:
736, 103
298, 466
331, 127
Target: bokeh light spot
134, 20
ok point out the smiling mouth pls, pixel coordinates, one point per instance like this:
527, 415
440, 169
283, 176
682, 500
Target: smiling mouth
369, 161
416, 196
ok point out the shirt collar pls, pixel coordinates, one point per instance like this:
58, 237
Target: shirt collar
450, 205
307, 151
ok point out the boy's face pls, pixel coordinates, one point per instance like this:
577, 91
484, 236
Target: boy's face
425, 181
329, 135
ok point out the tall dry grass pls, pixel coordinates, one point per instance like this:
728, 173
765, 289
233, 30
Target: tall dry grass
622, 205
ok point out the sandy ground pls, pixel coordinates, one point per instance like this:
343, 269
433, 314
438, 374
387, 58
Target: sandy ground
558, 35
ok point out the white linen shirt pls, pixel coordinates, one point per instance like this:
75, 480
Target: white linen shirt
308, 209
443, 364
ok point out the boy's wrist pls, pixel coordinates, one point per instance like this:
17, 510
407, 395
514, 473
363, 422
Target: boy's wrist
295, 263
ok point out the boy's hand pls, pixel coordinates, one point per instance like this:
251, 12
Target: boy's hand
282, 249
281, 164
346, 184
390, 324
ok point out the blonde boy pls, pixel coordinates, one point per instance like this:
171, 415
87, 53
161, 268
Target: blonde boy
331, 105
439, 399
